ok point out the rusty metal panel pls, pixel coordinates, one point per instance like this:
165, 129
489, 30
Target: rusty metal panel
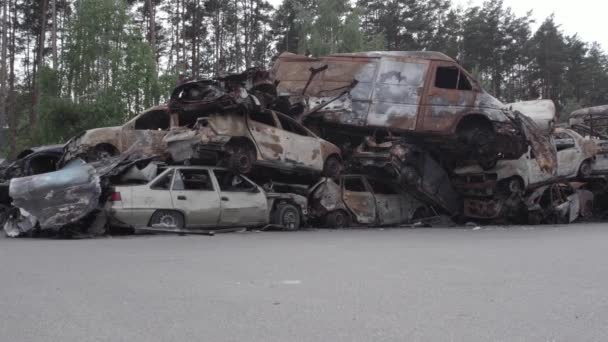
397, 93
269, 140
358, 198
443, 107
541, 111
60, 197
389, 209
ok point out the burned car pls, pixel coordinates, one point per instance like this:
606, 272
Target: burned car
414, 169
67, 201
241, 140
548, 204
423, 97
362, 200
144, 133
32, 161
183, 198
575, 158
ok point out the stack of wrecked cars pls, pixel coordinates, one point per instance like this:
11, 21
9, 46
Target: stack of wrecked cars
359, 139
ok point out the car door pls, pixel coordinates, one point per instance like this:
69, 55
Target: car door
303, 149
194, 194
569, 155
243, 203
145, 200
359, 199
450, 93
268, 137
388, 202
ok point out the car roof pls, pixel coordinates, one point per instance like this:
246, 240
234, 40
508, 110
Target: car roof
429, 55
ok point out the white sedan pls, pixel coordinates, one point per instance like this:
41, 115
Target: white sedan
189, 198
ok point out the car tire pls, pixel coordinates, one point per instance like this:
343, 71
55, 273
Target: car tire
287, 216
168, 219
332, 167
337, 219
241, 159
585, 170
512, 186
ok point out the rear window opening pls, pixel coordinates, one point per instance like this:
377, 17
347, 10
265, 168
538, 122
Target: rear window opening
451, 78
263, 117
354, 185
154, 120
43, 164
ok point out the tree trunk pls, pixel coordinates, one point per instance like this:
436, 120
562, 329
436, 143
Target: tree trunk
152, 26
37, 65
54, 34
11, 87
3, 69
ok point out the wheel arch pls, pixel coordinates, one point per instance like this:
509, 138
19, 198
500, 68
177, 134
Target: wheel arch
472, 120
236, 141
106, 145
351, 216
181, 212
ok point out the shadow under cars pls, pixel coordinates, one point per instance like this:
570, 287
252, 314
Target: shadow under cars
190, 198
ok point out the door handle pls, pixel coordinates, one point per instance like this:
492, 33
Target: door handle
181, 198
225, 199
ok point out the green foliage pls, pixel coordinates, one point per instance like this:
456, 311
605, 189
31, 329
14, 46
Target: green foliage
109, 74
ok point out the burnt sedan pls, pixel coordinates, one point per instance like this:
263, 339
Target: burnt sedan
264, 137
362, 200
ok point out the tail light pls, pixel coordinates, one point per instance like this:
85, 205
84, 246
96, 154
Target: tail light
115, 197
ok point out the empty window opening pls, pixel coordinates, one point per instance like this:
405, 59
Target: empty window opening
291, 126
383, 188
354, 185
154, 120
232, 182
263, 117
451, 78
186, 179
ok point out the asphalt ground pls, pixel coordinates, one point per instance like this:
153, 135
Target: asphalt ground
543, 283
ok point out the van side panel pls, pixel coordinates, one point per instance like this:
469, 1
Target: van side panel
397, 93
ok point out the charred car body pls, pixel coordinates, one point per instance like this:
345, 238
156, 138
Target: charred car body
362, 200
32, 161
261, 137
227, 121
575, 158
142, 134
421, 96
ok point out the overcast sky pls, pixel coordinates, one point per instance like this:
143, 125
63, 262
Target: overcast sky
585, 17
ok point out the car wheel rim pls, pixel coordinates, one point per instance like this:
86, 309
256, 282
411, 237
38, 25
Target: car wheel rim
168, 221
339, 220
244, 162
289, 220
